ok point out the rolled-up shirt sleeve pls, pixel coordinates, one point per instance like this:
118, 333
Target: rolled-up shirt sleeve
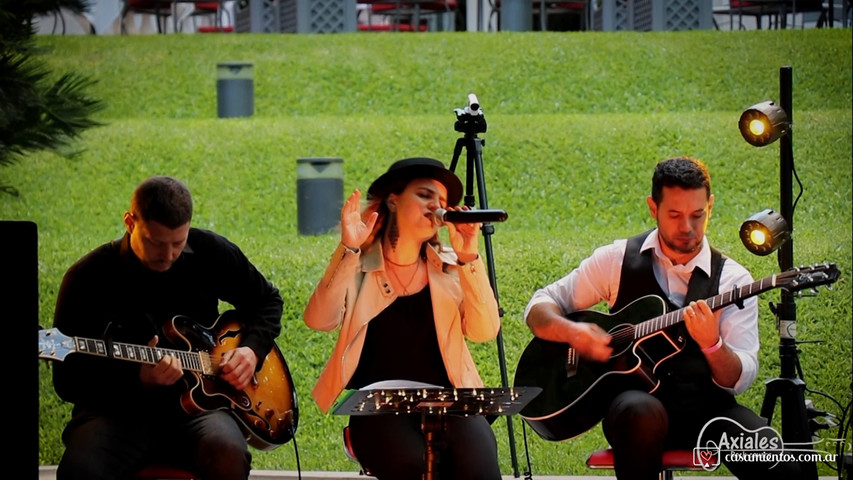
739, 326
596, 279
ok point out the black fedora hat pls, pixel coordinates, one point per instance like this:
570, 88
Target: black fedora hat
401, 172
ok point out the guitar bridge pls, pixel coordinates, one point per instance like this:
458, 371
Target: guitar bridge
571, 363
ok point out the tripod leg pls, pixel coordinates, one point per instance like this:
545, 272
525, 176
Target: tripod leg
475, 156
771, 394
795, 423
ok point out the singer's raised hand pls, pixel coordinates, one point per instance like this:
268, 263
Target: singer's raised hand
354, 231
464, 238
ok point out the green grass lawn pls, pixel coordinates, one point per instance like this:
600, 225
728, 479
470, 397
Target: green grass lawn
576, 122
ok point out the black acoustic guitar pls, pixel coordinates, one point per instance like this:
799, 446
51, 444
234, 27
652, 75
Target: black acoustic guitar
266, 409
576, 393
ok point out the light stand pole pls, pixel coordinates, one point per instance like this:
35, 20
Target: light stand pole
788, 386
471, 121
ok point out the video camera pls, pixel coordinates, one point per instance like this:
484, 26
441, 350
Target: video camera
470, 120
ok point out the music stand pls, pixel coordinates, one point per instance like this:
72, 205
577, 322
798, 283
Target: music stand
433, 404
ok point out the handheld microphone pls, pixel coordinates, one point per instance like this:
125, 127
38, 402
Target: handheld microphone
441, 216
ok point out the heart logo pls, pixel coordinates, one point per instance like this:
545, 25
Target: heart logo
706, 458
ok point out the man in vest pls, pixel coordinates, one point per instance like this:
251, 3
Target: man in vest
716, 355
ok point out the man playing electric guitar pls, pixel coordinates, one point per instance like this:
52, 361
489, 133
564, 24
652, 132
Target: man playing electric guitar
716, 352
126, 414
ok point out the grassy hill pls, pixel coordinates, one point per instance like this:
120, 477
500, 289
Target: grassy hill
576, 122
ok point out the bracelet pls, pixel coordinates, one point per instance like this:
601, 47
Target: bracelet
353, 250
462, 264
713, 348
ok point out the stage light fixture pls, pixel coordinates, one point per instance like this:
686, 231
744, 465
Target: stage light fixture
762, 123
764, 232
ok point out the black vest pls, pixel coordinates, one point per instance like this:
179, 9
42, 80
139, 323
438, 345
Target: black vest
686, 377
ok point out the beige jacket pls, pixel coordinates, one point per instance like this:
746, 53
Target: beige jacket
355, 288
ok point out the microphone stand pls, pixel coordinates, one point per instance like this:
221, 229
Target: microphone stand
471, 124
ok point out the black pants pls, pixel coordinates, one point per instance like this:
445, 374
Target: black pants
393, 447
107, 447
639, 429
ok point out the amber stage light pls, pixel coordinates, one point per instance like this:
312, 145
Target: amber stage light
763, 123
764, 232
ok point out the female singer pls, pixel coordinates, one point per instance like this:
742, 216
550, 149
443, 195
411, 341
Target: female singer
405, 305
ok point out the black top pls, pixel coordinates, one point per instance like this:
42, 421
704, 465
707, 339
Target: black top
109, 294
401, 344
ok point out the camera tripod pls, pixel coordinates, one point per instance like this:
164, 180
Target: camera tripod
471, 121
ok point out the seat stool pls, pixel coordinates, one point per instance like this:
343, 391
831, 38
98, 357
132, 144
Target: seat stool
672, 461
163, 472
348, 450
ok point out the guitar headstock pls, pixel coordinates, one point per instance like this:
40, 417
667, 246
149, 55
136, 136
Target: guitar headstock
808, 277
53, 345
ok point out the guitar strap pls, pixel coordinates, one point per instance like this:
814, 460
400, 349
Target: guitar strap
109, 333
702, 286
686, 377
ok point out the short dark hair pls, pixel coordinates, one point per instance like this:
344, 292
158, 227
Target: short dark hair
684, 172
162, 199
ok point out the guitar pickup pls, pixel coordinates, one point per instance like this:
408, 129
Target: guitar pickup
571, 363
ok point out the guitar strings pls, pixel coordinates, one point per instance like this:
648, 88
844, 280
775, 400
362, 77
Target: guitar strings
623, 336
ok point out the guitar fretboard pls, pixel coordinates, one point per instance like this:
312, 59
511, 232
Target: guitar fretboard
192, 361
716, 302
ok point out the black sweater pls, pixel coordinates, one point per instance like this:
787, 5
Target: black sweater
109, 294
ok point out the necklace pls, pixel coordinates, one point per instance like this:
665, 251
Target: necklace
401, 264
412, 279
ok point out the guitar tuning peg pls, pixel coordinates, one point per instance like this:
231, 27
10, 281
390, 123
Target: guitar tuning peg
811, 292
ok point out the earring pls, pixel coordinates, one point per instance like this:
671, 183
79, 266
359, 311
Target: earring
393, 233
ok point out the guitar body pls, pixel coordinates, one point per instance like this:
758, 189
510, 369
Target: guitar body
576, 393
266, 409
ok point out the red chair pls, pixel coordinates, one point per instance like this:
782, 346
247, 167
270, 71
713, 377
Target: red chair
163, 472
742, 8
413, 14
213, 10
672, 461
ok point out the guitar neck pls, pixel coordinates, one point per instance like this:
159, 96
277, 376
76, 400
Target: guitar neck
716, 302
191, 361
